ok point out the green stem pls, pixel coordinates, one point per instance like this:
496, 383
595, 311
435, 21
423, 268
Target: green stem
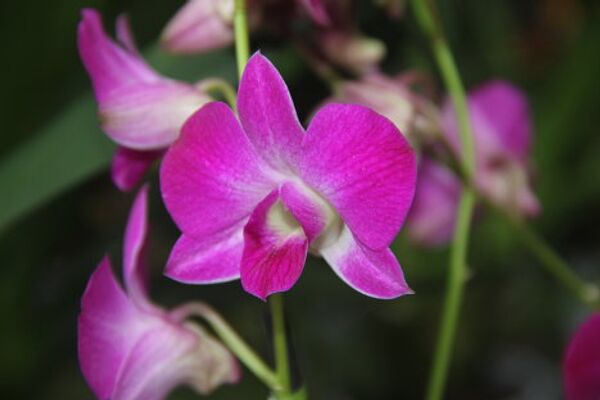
221, 87
280, 346
242, 45
427, 16
587, 293
234, 342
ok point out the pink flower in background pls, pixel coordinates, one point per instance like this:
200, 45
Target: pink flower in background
199, 26
393, 97
317, 10
501, 123
341, 43
204, 25
432, 217
581, 365
139, 109
129, 348
501, 126
253, 199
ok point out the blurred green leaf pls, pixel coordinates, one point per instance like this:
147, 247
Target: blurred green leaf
71, 148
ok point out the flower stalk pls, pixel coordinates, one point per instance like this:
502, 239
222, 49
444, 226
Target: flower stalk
587, 292
279, 383
427, 18
280, 346
234, 342
242, 42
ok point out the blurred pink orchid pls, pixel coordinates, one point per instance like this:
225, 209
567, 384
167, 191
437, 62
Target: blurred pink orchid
581, 365
129, 348
341, 43
139, 109
394, 97
502, 129
253, 199
204, 25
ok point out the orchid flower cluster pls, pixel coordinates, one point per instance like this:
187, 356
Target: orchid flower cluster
253, 192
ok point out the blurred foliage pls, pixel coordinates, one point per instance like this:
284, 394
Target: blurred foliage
515, 319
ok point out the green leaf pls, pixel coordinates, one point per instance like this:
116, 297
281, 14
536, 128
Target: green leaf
72, 148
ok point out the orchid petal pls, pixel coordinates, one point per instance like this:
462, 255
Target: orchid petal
108, 325
500, 120
106, 62
199, 26
129, 166
275, 249
148, 116
267, 113
170, 355
305, 208
581, 367
212, 260
504, 108
433, 214
124, 34
211, 178
138, 108
361, 164
134, 272
373, 273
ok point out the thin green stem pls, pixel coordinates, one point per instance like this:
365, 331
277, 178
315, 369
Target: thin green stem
221, 87
242, 45
427, 17
234, 342
280, 346
587, 293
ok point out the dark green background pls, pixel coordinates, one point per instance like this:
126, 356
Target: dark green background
515, 320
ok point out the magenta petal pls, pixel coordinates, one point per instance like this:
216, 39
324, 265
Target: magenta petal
211, 178
129, 166
170, 355
504, 108
137, 107
500, 120
267, 113
134, 271
432, 217
199, 26
361, 163
108, 327
105, 61
581, 366
124, 34
214, 259
373, 273
275, 249
305, 209
147, 116
153, 368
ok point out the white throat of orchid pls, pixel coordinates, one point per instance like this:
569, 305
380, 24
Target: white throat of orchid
322, 225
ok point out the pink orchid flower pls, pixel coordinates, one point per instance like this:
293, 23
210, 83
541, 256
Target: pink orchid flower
139, 109
129, 348
393, 97
253, 197
501, 126
203, 25
581, 365
341, 43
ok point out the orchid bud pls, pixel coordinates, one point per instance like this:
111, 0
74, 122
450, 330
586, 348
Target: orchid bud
353, 51
199, 26
412, 113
